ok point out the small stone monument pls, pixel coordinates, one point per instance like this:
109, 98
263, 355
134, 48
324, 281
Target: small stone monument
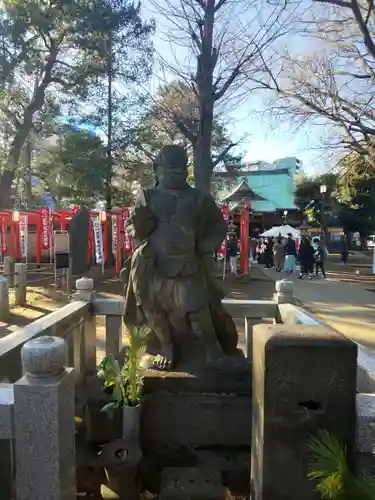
78, 240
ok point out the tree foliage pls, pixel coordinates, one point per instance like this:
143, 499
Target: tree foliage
356, 193
309, 199
56, 52
72, 169
349, 197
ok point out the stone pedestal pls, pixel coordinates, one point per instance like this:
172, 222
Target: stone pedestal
4, 298
44, 423
284, 293
207, 409
183, 413
304, 380
20, 283
9, 269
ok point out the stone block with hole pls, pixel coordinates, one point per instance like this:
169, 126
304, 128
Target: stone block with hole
191, 483
304, 381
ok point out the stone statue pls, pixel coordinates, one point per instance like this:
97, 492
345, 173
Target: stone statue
176, 229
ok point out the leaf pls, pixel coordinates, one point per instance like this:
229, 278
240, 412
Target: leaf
109, 383
328, 466
109, 407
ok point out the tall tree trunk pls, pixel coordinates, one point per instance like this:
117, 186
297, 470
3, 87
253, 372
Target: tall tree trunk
109, 169
206, 64
202, 155
6, 181
37, 101
108, 180
27, 176
7, 177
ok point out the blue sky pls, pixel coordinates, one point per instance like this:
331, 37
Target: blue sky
264, 140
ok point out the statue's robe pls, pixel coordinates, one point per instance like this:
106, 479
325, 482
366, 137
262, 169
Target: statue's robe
176, 234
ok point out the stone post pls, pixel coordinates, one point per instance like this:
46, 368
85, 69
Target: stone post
4, 298
85, 292
9, 269
284, 292
44, 423
85, 289
66, 280
20, 283
6, 441
304, 381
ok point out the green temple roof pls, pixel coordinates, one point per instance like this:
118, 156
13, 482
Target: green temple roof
266, 190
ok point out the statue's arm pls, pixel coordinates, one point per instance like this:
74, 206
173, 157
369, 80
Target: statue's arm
213, 227
142, 221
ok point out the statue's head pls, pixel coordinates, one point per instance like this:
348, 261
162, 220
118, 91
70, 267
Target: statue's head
171, 167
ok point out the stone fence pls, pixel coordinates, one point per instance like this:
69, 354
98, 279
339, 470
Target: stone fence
19, 275
45, 367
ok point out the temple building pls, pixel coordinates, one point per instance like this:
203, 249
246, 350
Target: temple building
266, 188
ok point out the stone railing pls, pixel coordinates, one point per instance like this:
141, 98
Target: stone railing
18, 276
38, 391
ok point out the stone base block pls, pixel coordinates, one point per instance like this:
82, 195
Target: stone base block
207, 409
191, 483
365, 423
203, 409
232, 463
304, 381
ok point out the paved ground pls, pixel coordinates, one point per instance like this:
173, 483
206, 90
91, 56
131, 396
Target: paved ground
343, 301
40, 301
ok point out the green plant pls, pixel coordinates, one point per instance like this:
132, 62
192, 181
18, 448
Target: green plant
331, 472
125, 383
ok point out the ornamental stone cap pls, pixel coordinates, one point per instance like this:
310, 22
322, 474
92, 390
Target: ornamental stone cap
85, 284
284, 286
44, 357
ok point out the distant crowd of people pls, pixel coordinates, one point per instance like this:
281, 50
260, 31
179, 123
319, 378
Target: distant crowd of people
282, 254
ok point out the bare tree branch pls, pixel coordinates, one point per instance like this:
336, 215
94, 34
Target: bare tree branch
221, 43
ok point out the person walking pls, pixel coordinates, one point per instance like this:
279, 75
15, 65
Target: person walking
320, 256
306, 257
253, 249
279, 255
268, 253
260, 251
233, 253
290, 255
344, 254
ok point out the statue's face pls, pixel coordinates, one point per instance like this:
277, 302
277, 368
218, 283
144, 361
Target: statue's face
172, 176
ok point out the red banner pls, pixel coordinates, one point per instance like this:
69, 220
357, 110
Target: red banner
118, 246
4, 237
45, 228
244, 239
89, 241
126, 238
225, 213
75, 209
